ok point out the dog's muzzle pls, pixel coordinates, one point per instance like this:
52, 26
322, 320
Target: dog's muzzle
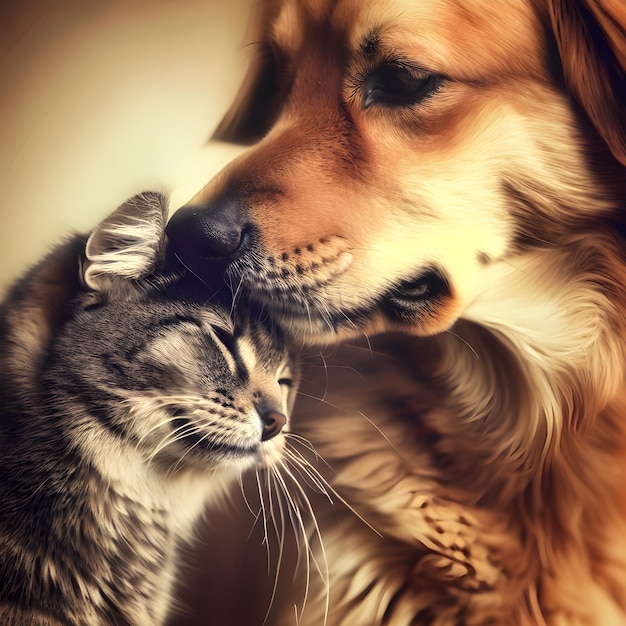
218, 244
208, 238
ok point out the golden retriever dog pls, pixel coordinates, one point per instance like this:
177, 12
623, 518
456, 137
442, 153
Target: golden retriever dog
445, 177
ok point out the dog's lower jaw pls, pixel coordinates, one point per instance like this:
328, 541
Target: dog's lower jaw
321, 327
420, 305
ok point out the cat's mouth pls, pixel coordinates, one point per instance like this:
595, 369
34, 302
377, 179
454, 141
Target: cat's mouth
193, 439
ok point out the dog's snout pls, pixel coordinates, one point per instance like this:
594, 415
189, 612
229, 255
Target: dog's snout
213, 230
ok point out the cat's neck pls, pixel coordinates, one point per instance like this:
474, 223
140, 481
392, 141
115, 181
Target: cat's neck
183, 494
103, 528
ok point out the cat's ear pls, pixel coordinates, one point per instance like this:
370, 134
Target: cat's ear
127, 244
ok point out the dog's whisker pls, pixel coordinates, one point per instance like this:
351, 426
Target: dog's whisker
190, 269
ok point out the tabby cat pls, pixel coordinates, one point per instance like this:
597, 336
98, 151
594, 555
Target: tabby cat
127, 402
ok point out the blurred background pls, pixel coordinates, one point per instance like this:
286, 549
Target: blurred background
101, 99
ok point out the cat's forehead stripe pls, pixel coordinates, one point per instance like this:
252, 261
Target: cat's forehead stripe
228, 357
247, 353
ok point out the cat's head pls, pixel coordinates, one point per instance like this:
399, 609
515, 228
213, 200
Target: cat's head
140, 356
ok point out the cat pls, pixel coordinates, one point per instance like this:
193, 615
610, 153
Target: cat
127, 403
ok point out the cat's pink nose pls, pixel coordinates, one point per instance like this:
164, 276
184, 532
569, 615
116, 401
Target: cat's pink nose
273, 422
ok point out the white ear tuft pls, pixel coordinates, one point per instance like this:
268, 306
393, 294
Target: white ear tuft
128, 243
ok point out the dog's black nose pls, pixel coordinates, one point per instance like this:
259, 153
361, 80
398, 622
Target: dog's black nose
213, 230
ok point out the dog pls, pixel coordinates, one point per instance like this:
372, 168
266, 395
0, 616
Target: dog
444, 180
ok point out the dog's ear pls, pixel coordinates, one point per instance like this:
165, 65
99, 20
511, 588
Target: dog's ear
591, 37
254, 110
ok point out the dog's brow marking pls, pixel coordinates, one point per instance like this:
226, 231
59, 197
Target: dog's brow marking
370, 45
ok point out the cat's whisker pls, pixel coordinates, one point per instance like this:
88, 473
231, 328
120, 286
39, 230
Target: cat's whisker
297, 617
257, 516
294, 515
264, 518
324, 571
214, 443
154, 405
326, 377
166, 440
235, 295
369, 343
242, 488
369, 349
296, 438
382, 434
302, 540
351, 324
180, 461
370, 421
172, 436
308, 313
302, 464
270, 503
178, 434
291, 452
190, 270
300, 534
297, 505
318, 483
271, 476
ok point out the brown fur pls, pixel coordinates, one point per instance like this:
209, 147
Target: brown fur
488, 449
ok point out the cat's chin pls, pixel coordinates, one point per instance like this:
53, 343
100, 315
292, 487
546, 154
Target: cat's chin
271, 452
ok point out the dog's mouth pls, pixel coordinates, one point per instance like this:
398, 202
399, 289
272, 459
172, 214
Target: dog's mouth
412, 298
308, 311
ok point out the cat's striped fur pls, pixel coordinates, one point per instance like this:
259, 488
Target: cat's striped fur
126, 403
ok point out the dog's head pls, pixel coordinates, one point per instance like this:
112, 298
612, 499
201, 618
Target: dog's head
405, 147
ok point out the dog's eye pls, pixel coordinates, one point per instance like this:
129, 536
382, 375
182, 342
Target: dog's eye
395, 84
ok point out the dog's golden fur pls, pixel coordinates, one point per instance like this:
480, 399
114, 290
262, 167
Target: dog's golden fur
481, 216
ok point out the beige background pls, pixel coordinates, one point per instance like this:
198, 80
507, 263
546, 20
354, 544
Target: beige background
100, 99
